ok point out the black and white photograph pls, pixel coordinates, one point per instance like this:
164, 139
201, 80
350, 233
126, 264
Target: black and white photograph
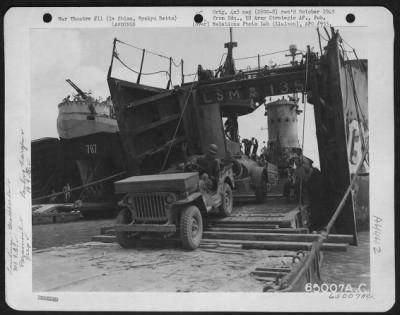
230, 154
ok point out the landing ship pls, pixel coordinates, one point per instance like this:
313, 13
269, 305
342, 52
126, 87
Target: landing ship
160, 128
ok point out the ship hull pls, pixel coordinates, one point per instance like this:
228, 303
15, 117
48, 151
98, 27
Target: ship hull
97, 157
340, 99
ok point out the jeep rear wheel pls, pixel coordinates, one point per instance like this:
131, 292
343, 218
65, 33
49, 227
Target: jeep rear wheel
191, 227
125, 239
225, 209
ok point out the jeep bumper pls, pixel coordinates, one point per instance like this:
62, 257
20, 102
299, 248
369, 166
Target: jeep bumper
160, 228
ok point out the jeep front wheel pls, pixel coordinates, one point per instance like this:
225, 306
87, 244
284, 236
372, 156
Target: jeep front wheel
191, 227
226, 206
125, 239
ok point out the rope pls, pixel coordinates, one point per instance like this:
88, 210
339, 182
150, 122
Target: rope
347, 43
82, 186
151, 53
137, 72
323, 37
222, 57
177, 126
262, 55
138, 48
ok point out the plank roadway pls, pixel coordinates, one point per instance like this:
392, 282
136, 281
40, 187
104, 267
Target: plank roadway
256, 230
274, 245
265, 245
275, 212
281, 237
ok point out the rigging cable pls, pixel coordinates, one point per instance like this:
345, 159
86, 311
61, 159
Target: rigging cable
304, 123
262, 55
82, 186
141, 49
222, 57
137, 72
150, 52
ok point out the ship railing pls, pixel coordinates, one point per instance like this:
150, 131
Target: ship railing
249, 70
140, 73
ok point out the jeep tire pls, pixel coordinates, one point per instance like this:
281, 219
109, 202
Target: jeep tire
191, 227
225, 209
125, 239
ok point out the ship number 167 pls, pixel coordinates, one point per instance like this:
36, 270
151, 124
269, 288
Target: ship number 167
91, 148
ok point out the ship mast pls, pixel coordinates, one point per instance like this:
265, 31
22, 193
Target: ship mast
229, 65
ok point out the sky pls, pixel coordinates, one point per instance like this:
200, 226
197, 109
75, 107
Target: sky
84, 55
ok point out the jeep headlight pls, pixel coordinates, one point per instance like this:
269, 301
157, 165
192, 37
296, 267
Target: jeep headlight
169, 198
129, 200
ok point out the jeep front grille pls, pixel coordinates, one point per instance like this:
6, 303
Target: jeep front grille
150, 207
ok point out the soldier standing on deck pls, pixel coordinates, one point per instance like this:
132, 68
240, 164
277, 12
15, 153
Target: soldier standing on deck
313, 193
247, 146
67, 192
255, 148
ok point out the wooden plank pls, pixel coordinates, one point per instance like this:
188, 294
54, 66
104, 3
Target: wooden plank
234, 246
267, 279
242, 219
109, 232
55, 218
241, 225
252, 223
279, 237
104, 238
104, 229
223, 251
268, 273
259, 215
255, 230
271, 245
274, 269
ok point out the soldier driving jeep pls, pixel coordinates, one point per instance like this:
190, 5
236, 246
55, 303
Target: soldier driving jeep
209, 171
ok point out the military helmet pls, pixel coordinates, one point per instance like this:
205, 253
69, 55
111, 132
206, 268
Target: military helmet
213, 149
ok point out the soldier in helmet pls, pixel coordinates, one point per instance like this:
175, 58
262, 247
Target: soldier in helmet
313, 192
209, 169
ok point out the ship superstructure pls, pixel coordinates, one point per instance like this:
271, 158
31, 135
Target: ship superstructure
82, 115
283, 140
89, 135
